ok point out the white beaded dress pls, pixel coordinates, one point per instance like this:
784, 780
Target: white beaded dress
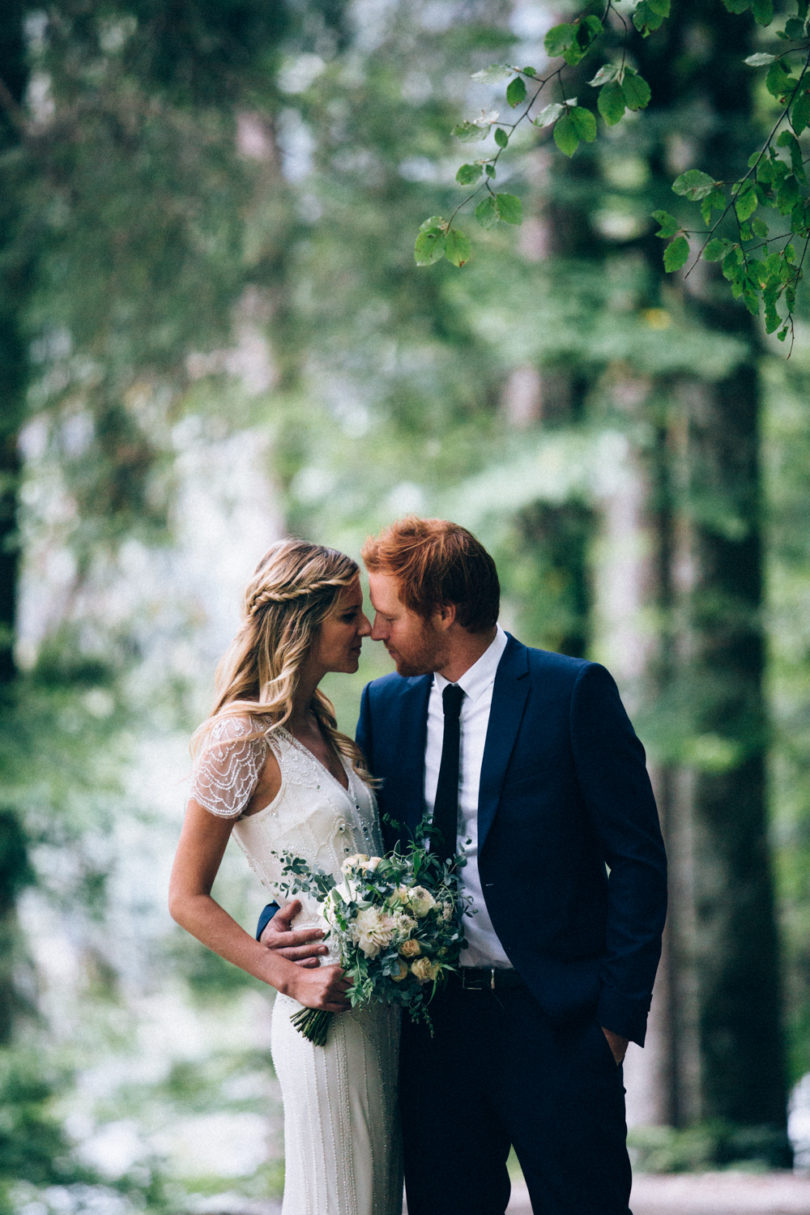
341, 1136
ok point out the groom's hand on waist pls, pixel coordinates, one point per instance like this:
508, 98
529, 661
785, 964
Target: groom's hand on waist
302, 945
617, 1044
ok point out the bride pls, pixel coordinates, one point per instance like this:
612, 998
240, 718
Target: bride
272, 769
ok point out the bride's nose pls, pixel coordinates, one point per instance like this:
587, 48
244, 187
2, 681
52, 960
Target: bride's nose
365, 626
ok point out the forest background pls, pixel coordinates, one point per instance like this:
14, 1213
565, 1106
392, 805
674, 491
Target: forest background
213, 332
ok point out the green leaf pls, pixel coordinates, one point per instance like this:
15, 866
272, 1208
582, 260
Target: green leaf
487, 212
469, 132
800, 113
716, 249
501, 137
778, 81
467, 174
693, 184
668, 224
510, 208
737, 6
645, 17
565, 135
436, 223
676, 254
588, 30
584, 123
457, 247
607, 73
558, 39
761, 59
746, 203
493, 74
763, 11
635, 90
610, 104
516, 91
429, 246
549, 114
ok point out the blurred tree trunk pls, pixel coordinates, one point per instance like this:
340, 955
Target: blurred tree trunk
725, 983
13, 371
14, 870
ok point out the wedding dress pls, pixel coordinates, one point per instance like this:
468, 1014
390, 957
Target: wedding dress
341, 1139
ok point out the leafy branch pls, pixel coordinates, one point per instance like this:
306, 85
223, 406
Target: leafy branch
762, 268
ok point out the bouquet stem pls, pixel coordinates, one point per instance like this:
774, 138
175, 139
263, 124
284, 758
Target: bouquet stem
312, 1024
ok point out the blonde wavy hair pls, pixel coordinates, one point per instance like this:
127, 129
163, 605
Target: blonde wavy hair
293, 589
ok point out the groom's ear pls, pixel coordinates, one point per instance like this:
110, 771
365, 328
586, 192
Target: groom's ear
445, 615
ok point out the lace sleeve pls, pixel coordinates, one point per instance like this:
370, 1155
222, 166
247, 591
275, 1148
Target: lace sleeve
228, 768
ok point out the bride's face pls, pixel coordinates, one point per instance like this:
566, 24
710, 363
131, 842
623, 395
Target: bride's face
340, 638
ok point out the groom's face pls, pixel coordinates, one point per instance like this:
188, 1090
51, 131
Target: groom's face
417, 646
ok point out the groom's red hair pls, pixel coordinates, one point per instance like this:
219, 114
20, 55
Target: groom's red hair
437, 562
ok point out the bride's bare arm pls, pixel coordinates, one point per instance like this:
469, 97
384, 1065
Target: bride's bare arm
199, 854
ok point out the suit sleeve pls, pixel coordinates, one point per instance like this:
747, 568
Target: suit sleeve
612, 774
362, 734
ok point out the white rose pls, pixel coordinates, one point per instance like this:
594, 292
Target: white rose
420, 901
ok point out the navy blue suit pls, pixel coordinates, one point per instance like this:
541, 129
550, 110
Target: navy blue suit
574, 876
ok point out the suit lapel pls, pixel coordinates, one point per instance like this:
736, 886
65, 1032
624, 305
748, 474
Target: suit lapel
508, 702
410, 760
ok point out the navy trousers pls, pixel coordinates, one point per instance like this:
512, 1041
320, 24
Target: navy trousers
497, 1072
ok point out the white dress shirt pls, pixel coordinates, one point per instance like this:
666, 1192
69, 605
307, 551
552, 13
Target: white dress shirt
483, 947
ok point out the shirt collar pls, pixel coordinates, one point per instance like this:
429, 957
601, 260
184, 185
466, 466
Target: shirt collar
481, 675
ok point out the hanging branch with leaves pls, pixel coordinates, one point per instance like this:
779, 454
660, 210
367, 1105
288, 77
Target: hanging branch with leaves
756, 226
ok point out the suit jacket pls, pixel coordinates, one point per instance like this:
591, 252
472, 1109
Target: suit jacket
571, 857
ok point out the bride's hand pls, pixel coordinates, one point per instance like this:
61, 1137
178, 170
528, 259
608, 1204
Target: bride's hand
324, 988
302, 945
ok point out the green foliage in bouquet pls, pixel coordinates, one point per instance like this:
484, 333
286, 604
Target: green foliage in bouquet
394, 923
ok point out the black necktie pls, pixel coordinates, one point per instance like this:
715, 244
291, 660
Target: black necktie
445, 808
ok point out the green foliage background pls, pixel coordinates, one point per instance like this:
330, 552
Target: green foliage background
207, 260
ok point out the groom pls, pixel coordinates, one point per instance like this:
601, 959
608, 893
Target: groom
565, 867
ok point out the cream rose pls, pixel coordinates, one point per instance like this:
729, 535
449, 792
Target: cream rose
420, 901
372, 930
410, 949
424, 970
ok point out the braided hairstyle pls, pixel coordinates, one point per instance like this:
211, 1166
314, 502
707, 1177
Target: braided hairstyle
293, 589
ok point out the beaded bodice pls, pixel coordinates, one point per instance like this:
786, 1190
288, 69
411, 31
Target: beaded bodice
312, 815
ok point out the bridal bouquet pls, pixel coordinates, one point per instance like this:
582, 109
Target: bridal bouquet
393, 923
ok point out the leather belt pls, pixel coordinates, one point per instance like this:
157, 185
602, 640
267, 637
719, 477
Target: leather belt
486, 978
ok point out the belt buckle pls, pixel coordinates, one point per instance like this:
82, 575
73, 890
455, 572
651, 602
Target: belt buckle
480, 982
